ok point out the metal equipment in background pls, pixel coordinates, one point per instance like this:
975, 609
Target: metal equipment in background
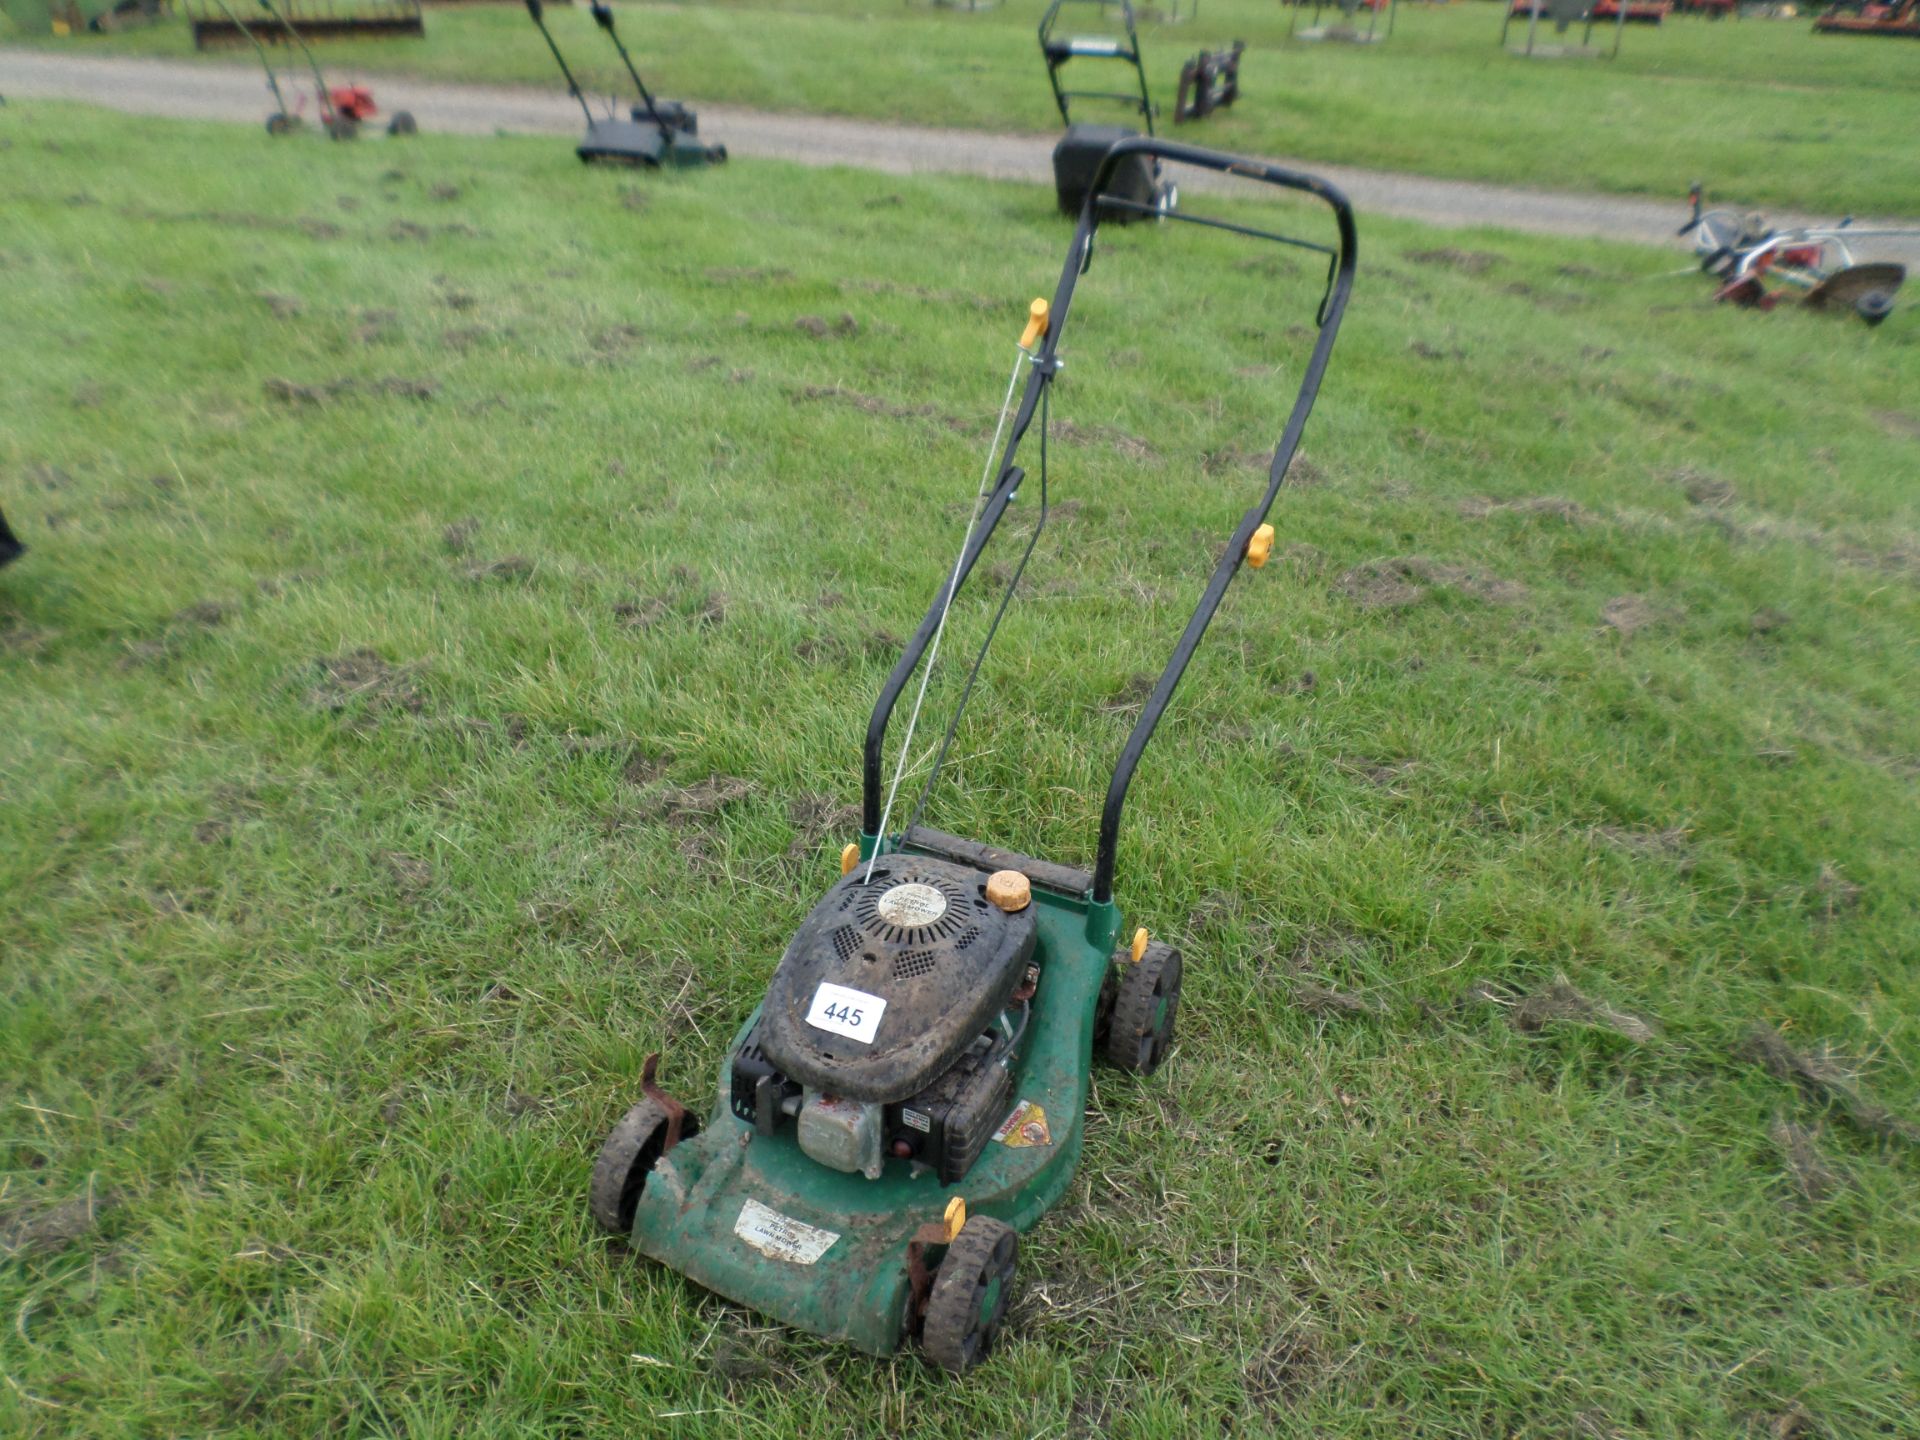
910, 1095
1565, 14
1900, 19
1078, 156
1347, 28
1210, 81
656, 133
217, 26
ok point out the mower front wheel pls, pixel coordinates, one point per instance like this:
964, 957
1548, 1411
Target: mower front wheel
632, 1150
343, 127
403, 123
970, 1293
1145, 1005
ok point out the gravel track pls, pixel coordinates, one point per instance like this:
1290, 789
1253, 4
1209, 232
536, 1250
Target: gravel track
199, 91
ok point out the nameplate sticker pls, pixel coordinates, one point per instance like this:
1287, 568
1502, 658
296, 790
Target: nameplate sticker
781, 1237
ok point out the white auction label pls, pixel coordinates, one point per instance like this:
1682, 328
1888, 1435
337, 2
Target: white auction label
782, 1237
852, 1013
911, 905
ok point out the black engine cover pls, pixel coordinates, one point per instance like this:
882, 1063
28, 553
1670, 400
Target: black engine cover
1076, 161
923, 941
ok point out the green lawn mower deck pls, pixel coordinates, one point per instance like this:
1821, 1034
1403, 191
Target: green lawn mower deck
909, 1097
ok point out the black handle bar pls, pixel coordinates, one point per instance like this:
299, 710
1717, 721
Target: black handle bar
1040, 374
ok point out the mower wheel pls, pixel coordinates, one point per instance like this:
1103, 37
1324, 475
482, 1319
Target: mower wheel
343, 127
970, 1293
279, 124
628, 1157
1874, 306
1144, 1008
402, 123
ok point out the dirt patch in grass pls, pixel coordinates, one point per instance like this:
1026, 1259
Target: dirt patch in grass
410, 874
1898, 423
1131, 446
366, 678
458, 534
747, 274
284, 307
1560, 1003
1669, 844
702, 800
37, 1227
1826, 1083
1129, 696
1557, 507
875, 405
1473, 262
816, 819
508, 567
399, 387
922, 292
1318, 999
1703, 488
1799, 1147
1404, 580
845, 328
1628, 615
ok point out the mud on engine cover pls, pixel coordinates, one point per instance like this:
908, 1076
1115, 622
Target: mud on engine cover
899, 1006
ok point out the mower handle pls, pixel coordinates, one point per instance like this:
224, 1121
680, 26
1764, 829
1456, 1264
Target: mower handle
1044, 365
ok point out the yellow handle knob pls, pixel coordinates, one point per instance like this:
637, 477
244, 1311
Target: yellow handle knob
1036, 324
1260, 546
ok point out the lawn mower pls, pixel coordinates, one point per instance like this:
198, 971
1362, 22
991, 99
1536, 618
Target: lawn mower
655, 134
1078, 156
1815, 263
342, 108
909, 1096
10, 547
1210, 81
1347, 28
1564, 14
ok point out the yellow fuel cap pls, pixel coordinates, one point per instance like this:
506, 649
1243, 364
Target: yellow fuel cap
1010, 890
849, 858
1037, 314
1139, 944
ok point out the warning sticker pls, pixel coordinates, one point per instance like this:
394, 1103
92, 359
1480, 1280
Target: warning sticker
1025, 1125
782, 1237
915, 1120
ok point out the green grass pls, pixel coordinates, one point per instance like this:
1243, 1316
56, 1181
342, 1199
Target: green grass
340, 907
1764, 111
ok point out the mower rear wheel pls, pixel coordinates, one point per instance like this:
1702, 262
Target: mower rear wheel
1874, 306
403, 123
632, 1150
343, 127
1144, 1009
279, 124
970, 1293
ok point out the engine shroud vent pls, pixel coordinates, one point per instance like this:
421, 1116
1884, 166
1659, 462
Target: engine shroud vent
919, 935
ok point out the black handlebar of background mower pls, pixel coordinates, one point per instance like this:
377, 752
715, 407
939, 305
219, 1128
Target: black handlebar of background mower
1040, 374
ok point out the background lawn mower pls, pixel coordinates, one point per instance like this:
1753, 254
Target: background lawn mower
343, 108
10, 547
1078, 156
910, 1095
656, 133
1815, 263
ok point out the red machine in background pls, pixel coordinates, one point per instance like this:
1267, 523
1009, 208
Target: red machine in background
1871, 17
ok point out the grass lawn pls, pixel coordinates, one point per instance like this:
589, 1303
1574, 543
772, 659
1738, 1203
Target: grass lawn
417, 526
1765, 112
